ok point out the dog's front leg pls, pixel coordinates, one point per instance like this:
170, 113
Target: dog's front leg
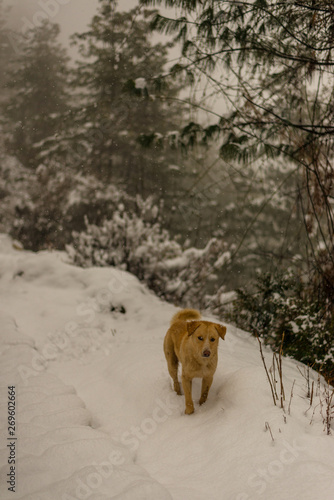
206, 384
187, 387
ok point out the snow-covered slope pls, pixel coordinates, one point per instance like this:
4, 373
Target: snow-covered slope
95, 414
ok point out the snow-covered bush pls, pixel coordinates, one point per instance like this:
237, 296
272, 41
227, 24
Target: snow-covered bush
14, 188
132, 242
189, 278
136, 242
282, 305
42, 208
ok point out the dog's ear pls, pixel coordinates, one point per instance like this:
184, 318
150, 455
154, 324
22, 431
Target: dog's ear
192, 326
221, 330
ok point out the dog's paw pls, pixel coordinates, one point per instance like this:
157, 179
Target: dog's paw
177, 388
202, 400
189, 409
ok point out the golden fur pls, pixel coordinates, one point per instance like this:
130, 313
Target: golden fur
193, 343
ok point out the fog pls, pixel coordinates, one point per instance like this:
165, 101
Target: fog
72, 15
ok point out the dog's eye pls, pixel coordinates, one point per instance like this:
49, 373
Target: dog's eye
212, 339
200, 338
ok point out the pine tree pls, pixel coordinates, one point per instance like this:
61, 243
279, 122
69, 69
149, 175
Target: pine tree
6, 47
3, 44
37, 82
121, 101
272, 64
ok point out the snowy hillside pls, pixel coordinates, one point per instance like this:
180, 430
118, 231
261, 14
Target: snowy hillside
95, 415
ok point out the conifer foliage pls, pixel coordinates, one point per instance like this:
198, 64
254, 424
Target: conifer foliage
272, 64
115, 76
38, 84
281, 310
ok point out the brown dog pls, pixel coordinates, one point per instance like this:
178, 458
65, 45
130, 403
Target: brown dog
194, 343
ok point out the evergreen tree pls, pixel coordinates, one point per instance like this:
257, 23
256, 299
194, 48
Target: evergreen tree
272, 63
6, 47
117, 76
37, 81
3, 44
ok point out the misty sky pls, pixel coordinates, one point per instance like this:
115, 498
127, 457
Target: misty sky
72, 15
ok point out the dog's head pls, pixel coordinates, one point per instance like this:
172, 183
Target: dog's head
205, 336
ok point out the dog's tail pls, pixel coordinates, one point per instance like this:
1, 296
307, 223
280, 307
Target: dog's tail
186, 314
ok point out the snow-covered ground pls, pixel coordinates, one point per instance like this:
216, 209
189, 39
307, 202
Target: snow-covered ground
95, 416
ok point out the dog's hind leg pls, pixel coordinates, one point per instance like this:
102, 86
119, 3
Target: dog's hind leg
172, 363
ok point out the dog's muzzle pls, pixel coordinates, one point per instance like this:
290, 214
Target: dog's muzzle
206, 353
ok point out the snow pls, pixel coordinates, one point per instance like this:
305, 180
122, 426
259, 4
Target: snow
140, 83
176, 168
223, 259
96, 417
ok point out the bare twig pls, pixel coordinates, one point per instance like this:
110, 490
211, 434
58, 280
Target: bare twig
267, 428
306, 376
291, 396
281, 371
277, 359
328, 415
265, 367
311, 395
272, 372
